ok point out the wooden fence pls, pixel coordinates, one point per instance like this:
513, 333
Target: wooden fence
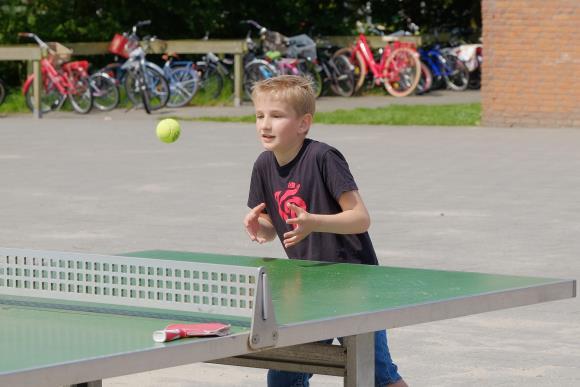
233, 47
34, 54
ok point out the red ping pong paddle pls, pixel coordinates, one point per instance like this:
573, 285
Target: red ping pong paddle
178, 331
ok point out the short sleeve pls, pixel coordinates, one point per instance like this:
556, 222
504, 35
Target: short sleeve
336, 174
256, 194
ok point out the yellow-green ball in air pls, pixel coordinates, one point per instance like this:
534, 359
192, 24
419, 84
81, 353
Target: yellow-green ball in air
168, 130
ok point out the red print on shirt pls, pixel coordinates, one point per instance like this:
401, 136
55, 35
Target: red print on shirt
290, 196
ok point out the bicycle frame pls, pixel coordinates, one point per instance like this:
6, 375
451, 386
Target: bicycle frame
287, 66
434, 59
170, 63
378, 69
49, 73
60, 79
136, 62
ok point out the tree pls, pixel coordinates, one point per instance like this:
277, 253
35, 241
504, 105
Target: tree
99, 20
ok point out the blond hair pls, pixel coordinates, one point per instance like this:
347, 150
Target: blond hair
293, 89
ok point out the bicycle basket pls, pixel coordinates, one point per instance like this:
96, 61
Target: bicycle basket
302, 46
274, 41
118, 46
58, 53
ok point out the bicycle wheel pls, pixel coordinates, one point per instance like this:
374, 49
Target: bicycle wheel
359, 66
183, 86
425, 81
456, 73
2, 92
212, 82
342, 82
105, 92
81, 97
156, 86
309, 70
50, 97
142, 86
475, 79
402, 72
255, 71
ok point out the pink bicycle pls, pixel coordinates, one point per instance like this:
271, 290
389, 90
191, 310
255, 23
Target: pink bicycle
59, 80
397, 66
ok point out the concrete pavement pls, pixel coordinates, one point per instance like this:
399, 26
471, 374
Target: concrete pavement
471, 199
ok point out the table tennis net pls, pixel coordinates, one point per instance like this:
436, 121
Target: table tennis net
129, 281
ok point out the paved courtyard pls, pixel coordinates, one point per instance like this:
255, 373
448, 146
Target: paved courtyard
453, 198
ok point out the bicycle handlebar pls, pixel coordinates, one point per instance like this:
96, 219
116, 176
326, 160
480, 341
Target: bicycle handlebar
40, 42
139, 24
376, 30
143, 23
253, 23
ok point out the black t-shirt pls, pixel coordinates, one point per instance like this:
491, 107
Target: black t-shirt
313, 180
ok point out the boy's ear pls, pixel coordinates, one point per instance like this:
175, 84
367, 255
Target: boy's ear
305, 123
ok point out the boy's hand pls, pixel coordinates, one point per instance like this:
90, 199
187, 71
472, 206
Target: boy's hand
305, 224
252, 223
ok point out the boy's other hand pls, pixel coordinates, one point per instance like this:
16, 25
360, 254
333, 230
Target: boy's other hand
305, 224
252, 224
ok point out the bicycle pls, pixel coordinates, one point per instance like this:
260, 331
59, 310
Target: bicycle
472, 56
143, 81
425, 81
59, 80
213, 73
301, 52
255, 68
183, 80
446, 68
336, 71
396, 66
105, 90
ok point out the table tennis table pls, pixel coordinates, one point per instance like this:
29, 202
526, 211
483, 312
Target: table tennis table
76, 318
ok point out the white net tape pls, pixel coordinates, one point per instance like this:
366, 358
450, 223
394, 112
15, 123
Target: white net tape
129, 281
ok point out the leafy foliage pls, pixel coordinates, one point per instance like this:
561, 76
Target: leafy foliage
98, 20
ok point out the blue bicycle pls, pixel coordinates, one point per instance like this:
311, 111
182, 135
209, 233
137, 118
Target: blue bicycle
183, 80
445, 68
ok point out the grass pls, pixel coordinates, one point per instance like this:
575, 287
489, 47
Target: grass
433, 115
14, 103
202, 98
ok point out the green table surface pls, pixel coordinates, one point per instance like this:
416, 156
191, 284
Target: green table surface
309, 290
302, 291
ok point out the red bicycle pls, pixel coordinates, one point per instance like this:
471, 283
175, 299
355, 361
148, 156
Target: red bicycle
398, 68
59, 80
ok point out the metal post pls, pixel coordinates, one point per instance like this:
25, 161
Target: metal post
360, 360
238, 75
36, 86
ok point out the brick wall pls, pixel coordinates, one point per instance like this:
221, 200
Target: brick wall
531, 70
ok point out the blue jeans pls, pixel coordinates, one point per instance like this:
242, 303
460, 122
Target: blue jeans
385, 370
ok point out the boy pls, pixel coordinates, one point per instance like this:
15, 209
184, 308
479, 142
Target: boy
302, 191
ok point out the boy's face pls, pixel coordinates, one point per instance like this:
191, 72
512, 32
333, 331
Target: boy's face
280, 129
